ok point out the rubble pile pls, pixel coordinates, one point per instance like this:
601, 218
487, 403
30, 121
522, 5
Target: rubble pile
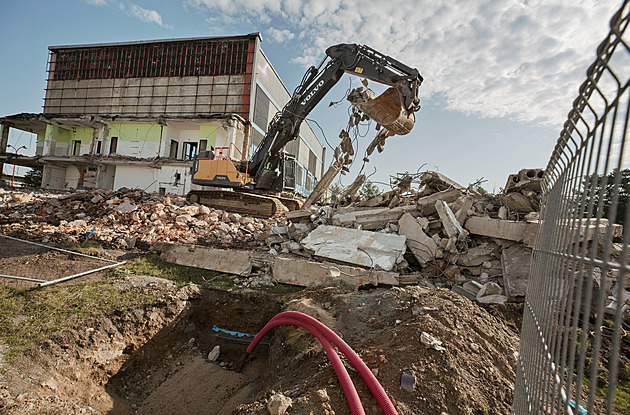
480, 246
124, 218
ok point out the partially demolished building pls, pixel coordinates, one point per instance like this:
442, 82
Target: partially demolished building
135, 114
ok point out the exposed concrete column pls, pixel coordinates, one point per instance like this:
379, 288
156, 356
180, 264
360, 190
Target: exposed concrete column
231, 138
4, 140
95, 132
246, 140
103, 135
50, 140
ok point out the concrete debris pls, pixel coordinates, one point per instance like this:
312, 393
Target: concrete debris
428, 230
516, 262
214, 353
431, 341
278, 404
124, 215
353, 246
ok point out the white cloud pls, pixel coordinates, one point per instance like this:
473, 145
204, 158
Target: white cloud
280, 36
492, 58
148, 16
96, 2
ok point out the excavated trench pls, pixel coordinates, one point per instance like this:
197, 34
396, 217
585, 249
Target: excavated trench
171, 372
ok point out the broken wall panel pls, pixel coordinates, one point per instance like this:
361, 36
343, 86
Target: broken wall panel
188, 77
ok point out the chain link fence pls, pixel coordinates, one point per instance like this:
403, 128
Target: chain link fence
575, 350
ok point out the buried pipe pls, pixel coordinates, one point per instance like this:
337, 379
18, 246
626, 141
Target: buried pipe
354, 402
377, 390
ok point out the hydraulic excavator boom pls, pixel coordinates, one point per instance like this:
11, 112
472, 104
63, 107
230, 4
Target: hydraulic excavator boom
268, 169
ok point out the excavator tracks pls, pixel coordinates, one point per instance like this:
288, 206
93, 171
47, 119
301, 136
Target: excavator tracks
250, 204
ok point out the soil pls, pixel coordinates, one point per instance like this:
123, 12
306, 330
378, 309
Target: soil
154, 359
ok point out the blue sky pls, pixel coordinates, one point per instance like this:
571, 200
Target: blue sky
500, 75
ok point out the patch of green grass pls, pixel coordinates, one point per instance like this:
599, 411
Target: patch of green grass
30, 317
155, 267
90, 248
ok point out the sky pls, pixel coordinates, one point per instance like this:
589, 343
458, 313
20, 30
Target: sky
499, 75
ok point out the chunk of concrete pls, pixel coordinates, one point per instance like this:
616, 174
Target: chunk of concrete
466, 203
476, 256
278, 404
228, 261
322, 274
422, 246
426, 204
358, 247
373, 218
516, 262
496, 228
451, 226
518, 202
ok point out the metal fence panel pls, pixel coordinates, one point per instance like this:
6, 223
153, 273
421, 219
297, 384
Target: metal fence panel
574, 341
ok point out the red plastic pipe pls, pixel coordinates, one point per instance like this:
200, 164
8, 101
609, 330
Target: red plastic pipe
377, 390
354, 402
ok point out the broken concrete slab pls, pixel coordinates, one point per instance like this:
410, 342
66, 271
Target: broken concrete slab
228, 261
451, 226
518, 202
516, 262
496, 228
466, 203
373, 218
426, 204
318, 274
422, 246
358, 247
476, 256
297, 215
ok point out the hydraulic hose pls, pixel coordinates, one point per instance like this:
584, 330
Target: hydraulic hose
377, 390
354, 402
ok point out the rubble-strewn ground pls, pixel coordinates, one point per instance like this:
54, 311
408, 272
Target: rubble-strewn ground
151, 358
136, 339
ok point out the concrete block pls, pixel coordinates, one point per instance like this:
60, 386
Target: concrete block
451, 226
476, 256
357, 247
422, 246
426, 204
466, 203
496, 228
373, 218
516, 262
319, 274
228, 261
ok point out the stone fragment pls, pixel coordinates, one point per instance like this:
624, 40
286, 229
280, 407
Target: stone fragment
476, 256
408, 382
489, 288
278, 404
422, 246
125, 207
214, 353
516, 263
451, 226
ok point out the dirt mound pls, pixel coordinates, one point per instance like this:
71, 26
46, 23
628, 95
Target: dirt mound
155, 360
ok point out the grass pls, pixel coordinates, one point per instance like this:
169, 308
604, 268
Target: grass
155, 267
30, 317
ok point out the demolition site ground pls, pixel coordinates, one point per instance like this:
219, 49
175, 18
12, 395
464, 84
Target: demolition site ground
153, 337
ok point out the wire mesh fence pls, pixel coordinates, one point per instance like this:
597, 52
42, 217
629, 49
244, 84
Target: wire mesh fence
25, 264
575, 349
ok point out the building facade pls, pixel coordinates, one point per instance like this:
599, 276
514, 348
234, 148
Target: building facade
135, 114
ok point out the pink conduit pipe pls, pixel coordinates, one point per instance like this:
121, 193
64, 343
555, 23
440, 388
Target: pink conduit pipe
354, 402
377, 390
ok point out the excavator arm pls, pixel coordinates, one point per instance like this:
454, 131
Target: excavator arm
360, 60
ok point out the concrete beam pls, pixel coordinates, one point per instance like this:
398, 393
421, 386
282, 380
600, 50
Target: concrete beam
374, 218
228, 261
496, 228
320, 274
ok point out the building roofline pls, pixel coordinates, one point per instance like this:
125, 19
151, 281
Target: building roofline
144, 42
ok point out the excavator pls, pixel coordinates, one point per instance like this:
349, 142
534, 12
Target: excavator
255, 183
